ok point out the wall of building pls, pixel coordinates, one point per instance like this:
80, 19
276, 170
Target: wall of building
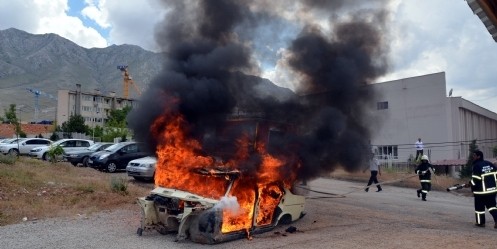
418, 107
472, 122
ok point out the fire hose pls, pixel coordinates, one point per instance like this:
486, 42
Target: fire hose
457, 187
333, 195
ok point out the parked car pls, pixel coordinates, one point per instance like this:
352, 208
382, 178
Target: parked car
24, 146
142, 168
5, 140
81, 156
10, 140
67, 145
117, 156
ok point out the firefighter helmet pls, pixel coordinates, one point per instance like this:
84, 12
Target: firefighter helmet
424, 157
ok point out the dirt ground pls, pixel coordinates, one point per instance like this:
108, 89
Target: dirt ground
348, 217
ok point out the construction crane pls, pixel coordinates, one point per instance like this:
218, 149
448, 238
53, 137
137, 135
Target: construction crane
37, 94
127, 80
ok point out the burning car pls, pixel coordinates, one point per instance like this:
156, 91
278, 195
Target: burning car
209, 220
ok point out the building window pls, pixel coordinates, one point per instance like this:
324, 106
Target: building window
388, 151
382, 105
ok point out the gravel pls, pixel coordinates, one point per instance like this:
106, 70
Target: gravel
393, 218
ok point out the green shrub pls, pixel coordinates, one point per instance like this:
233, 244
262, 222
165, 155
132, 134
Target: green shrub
54, 152
119, 185
7, 159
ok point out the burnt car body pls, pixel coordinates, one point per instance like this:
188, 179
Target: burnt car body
198, 219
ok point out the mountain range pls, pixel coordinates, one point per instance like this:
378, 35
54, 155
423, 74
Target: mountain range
49, 62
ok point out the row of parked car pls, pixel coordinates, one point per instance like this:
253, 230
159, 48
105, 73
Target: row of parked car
109, 157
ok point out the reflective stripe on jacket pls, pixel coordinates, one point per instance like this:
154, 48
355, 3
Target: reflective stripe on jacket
484, 178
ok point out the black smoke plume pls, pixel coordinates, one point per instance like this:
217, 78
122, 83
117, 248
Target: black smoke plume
210, 72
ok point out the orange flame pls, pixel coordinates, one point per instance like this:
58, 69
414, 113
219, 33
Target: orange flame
178, 156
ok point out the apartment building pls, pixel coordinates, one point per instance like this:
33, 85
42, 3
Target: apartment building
94, 106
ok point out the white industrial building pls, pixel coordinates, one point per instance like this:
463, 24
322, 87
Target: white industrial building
418, 107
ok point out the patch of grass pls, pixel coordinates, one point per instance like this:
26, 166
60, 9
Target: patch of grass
7, 159
38, 189
85, 189
119, 185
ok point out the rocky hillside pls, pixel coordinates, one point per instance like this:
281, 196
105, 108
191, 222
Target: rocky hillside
50, 62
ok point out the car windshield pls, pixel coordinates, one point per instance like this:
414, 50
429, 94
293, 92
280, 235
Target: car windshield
58, 142
94, 147
14, 140
114, 147
7, 141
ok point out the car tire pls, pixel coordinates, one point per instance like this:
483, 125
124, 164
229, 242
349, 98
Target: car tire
13, 152
285, 220
111, 167
44, 157
85, 161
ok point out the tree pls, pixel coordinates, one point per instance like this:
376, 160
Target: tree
11, 118
116, 126
55, 136
76, 123
467, 170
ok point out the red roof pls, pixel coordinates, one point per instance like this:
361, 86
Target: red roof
7, 130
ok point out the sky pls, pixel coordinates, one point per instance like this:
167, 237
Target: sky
425, 37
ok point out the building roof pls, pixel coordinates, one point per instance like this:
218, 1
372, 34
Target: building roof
7, 130
486, 10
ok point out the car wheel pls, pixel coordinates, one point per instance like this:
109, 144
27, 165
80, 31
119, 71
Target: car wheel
45, 157
85, 161
285, 220
111, 167
13, 152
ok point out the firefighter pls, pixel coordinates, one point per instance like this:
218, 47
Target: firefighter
424, 171
484, 187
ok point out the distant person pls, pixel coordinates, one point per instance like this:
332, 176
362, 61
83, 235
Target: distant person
484, 187
374, 168
419, 148
424, 170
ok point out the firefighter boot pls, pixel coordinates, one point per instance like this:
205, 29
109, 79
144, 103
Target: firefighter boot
423, 195
419, 193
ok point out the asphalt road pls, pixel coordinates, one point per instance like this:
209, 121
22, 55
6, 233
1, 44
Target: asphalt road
393, 218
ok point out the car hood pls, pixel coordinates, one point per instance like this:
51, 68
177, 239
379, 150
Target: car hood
184, 195
148, 159
99, 153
